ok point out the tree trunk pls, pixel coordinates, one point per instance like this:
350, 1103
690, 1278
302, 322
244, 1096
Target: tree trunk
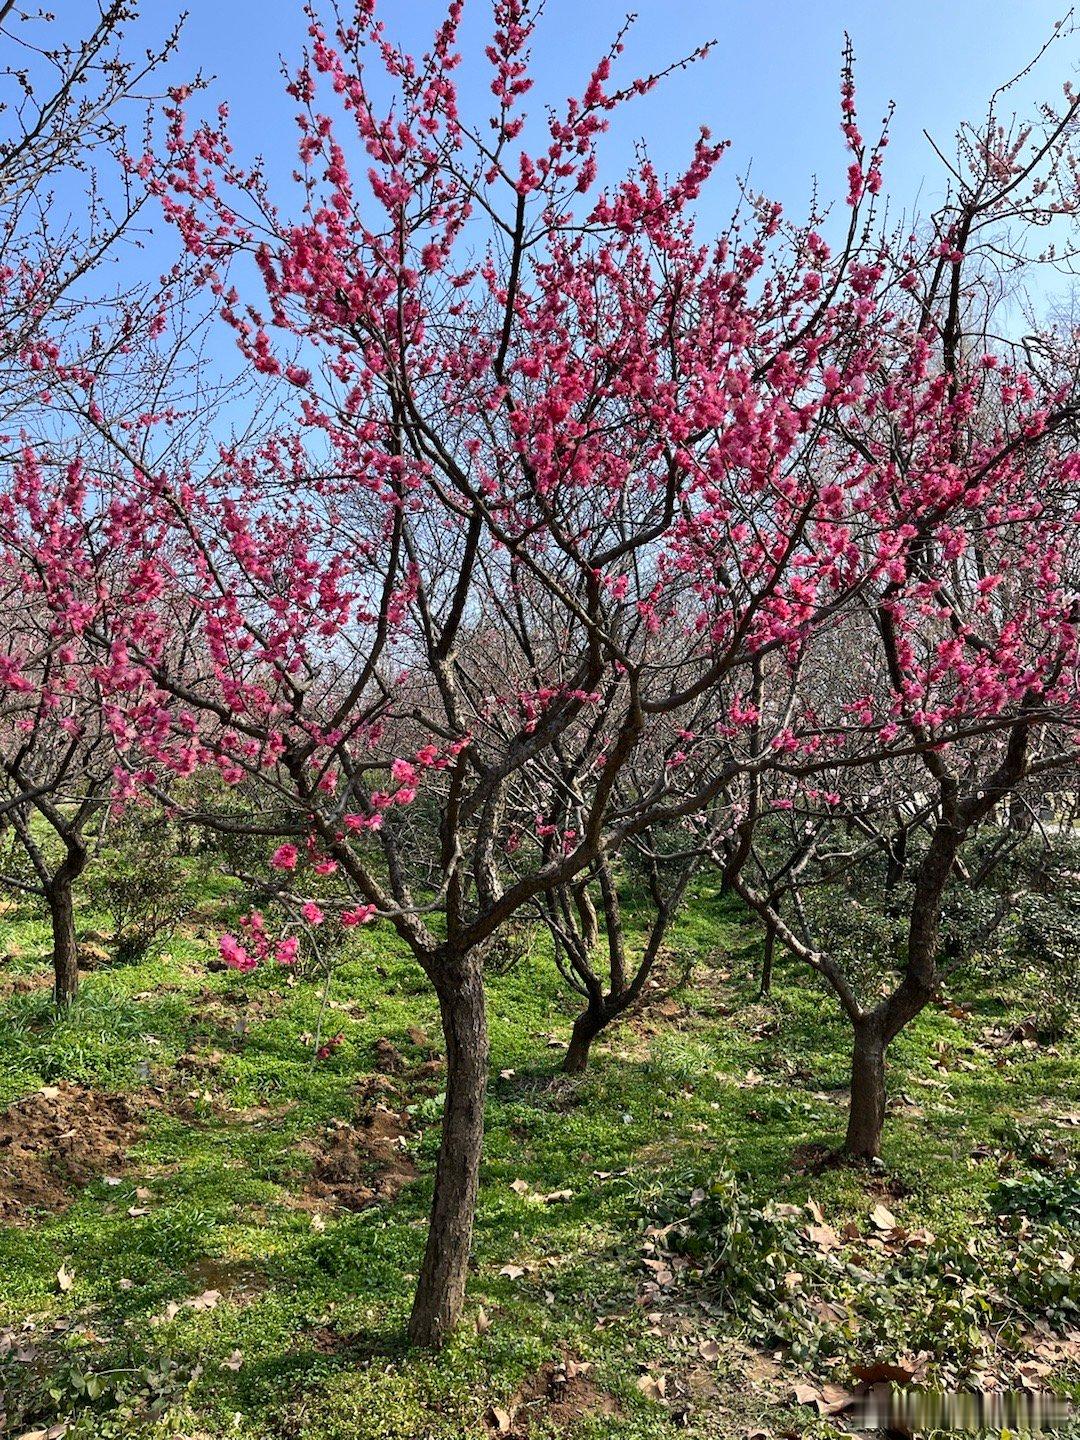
440, 1291
65, 950
866, 1115
767, 960
586, 1028
897, 861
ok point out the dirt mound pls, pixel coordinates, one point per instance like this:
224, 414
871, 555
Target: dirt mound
22, 983
557, 1398
362, 1163
56, 1141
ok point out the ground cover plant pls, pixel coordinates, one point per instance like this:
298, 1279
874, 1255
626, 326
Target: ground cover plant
660, 1247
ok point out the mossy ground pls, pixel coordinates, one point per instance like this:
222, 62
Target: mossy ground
306, 1340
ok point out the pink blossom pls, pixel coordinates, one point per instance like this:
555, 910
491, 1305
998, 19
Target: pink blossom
234, 954
360, 915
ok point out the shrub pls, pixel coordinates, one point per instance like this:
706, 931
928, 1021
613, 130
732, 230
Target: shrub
141, 882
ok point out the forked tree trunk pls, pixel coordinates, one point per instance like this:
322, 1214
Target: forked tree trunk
866, 1114
440, 1291
65, 950
586, 1028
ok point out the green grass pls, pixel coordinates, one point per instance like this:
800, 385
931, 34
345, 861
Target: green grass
307, 1338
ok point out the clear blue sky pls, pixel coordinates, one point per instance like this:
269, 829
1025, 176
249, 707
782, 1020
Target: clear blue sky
770, 86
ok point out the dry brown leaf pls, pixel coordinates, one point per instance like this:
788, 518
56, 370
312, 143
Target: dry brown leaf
823, 1236
882, 1218
653, 1387
512, 1272
835, 1399
879, 1372
499, 1420
826, 1400
65, 1279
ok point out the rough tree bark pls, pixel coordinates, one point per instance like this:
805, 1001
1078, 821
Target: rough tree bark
586, 1028
866, 1113
60, 900
440, 1291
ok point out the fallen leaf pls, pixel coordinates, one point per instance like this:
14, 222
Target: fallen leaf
235, 1360
558, 1196
878, 1372
835, 1400
50, 1092
65, 1279
709, 1350
499, 1420
512, 1272
317, 1222
136, 1210
882, 1218
662, 1272
823, 1236
483, 1321
519, 1187
653, 1387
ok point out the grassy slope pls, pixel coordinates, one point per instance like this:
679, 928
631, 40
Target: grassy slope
665, 1098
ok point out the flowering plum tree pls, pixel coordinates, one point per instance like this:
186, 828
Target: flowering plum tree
62, 125
953, 683
56, 755
558, 486
564, 523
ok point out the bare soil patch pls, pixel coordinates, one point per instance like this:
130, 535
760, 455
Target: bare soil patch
56, 1141
25, 982
235, 1280
559, 1396
362, 1162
